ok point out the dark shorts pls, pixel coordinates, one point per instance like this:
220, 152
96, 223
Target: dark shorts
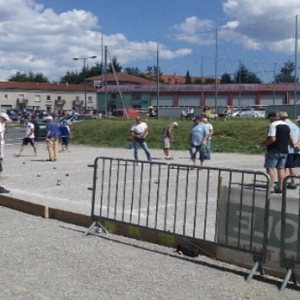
194, 149
64, 140
28, 140
1, 168
293, 160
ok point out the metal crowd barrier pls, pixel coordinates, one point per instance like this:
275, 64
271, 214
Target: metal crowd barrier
290, 233
199, 202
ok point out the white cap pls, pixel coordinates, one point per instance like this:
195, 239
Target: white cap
175, 124
5, 116
49, 118
150, 107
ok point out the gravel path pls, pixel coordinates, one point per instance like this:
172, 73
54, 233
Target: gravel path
46, 259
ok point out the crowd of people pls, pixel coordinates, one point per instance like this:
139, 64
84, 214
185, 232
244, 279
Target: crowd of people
199, 139
283, 145
282, 142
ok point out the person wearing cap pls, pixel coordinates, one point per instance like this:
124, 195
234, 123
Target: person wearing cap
167, 138
277, 143
29, 136
3, 118
293, 158
208, 141
52, 138
151, 113
65, 134
199, 134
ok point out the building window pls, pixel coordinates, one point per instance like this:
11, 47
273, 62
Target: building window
48, 98
37, 98
90, 99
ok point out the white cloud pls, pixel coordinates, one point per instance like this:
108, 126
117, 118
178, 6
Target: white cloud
263, 24
36, 39
197, 31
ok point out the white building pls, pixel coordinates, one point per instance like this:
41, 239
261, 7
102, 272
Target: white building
46, 96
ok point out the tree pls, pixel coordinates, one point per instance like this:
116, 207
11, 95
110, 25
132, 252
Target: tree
30, 77
133, 71
243, 75
71, 77
209, 80
188, 79
286, 73
118, 68
226, 78
152, 73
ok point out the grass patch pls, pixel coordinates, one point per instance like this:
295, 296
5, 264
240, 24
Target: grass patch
240, 135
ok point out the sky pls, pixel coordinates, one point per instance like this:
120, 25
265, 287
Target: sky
45, 35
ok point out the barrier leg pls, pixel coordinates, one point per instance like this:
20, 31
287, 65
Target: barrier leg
98, 228
254, 269
286, 279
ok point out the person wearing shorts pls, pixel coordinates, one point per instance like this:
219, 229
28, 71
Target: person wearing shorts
277, 143
65, 134
29, 136
198, 135
3, 118
293, 158
167, 138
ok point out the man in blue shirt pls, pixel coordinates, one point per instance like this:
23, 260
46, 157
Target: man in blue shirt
198, 135
52, 138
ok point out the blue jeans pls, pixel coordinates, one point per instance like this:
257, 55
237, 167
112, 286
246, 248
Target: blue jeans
208, 153
143, 144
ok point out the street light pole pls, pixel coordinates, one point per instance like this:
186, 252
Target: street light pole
84, 76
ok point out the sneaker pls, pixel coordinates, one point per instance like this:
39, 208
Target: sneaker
17, 155
3, 190
291, 186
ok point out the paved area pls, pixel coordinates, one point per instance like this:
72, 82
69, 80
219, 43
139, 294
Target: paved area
32, 178
46, 259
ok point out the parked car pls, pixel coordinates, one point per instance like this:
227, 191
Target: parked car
40, 128
247, 112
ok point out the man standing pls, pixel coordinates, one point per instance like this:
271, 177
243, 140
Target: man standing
139, 131
3, 118
208, 141
292, 161
277, 149
29, 136
52, 137
167, 138
198, 136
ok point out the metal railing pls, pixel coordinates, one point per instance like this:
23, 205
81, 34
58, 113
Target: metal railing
223, 207
290, 233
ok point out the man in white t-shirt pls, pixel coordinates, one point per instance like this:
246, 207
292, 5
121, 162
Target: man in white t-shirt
3, 118
29, 136
139, 131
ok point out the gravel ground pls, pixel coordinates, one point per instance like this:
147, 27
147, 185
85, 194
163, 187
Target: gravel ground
46, 259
